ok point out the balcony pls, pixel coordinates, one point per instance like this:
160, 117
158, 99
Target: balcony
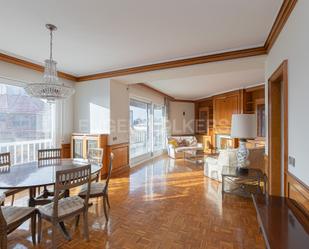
25, 151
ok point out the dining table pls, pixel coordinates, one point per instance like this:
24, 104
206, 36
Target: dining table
36, 174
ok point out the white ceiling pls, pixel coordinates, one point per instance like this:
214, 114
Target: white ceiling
200, 81
102, 35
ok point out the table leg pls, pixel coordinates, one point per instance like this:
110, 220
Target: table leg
223, 178
31, 202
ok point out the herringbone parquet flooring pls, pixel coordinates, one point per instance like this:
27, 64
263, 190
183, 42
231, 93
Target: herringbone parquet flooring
161, 204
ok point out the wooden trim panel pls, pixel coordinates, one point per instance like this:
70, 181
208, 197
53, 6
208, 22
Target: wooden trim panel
121, 157
66, 150
33, 66
178, 63
282, 17
277, 89
297, 190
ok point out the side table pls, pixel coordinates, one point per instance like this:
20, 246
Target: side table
243, 184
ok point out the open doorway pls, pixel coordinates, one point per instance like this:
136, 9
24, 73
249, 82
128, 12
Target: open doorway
278, 130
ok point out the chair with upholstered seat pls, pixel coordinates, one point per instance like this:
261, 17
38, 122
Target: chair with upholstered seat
45, 158
11, 218
62, 209
100, 189
5, 165
95, 155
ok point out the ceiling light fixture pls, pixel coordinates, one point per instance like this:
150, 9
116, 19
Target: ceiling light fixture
50, 89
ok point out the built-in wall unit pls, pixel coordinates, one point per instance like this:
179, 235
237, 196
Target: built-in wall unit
214, 115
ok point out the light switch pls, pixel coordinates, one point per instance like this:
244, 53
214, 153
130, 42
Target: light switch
292, 161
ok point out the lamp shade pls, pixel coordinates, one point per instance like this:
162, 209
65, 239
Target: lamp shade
244, 126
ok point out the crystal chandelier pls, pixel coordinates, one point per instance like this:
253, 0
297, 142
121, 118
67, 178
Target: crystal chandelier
50, 89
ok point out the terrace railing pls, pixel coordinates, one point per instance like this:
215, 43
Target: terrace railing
25, 151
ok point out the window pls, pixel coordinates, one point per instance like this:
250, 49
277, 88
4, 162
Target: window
26, 124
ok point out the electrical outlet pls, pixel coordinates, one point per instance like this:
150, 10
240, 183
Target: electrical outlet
292, 161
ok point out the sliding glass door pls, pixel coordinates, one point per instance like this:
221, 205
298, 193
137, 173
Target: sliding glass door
139, 130
158, 129
147, 130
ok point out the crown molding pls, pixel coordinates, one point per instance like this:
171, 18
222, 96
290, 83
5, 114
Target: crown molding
282, 17
170, 98
178, 63
33, 66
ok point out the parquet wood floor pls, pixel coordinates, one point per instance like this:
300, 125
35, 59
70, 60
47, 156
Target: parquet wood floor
161, 204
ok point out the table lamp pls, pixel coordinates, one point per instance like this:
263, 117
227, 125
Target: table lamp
243, 127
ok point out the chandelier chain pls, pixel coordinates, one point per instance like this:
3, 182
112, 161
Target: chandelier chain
51, 45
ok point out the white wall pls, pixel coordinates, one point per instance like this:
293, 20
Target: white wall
65, 124
120, 116
181, 118
143, 93
92, 107
292, 44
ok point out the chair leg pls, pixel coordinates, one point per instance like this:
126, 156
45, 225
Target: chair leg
109, 206
77, 221
39, 228
104, 206
86, 231
12, 200
33, 228
54, 226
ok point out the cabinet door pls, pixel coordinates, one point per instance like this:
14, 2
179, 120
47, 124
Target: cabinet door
232, 107
78, 149
91, 143
220, 111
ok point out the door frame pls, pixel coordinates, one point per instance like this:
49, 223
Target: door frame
278, 89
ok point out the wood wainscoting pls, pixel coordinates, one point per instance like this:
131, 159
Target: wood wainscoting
297, 190
66, 150
121, 157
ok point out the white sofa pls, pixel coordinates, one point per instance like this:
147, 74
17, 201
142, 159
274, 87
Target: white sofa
213, 166
177, 145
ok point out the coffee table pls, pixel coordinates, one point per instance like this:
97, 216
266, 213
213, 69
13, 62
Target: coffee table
243, 184
194, 155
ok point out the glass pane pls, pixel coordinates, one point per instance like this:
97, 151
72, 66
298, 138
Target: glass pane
158, 128
78, 148
26, 123
139, 129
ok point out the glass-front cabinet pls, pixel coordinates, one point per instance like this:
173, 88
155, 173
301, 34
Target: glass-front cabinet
82, 142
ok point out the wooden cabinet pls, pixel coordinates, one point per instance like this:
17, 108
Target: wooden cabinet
80, 143
224, 106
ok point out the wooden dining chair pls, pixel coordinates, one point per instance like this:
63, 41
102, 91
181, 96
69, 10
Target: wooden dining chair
100, 189
5, 165
95, 155
11, 218
45, 158
49, 154
61, 209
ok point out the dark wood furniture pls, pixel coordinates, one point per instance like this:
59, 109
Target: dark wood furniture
65, 208
100, 189
5, 166
284, 224
82, 142
11, 218
30, 175
243, 184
